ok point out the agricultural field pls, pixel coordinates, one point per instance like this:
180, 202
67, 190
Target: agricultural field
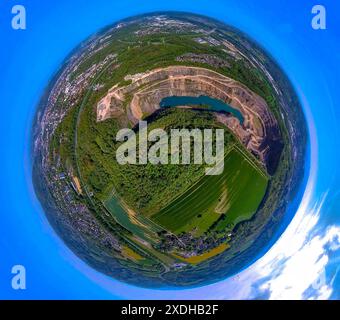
204, 256
228, 198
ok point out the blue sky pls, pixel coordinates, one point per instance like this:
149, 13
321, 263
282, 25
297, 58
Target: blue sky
310, 58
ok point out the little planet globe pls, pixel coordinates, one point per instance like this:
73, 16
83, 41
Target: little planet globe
154, 216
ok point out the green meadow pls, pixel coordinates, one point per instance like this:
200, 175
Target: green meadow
222, 200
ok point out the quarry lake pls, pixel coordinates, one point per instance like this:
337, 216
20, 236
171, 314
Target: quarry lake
211, 104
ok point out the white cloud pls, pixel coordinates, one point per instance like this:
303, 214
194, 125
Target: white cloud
303, 260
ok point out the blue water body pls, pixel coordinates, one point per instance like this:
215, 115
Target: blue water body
29, 58
211, 103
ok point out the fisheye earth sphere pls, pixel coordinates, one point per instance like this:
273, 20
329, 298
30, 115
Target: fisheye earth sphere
167, 224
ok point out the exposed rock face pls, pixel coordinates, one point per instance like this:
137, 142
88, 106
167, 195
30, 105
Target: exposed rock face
259, 132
